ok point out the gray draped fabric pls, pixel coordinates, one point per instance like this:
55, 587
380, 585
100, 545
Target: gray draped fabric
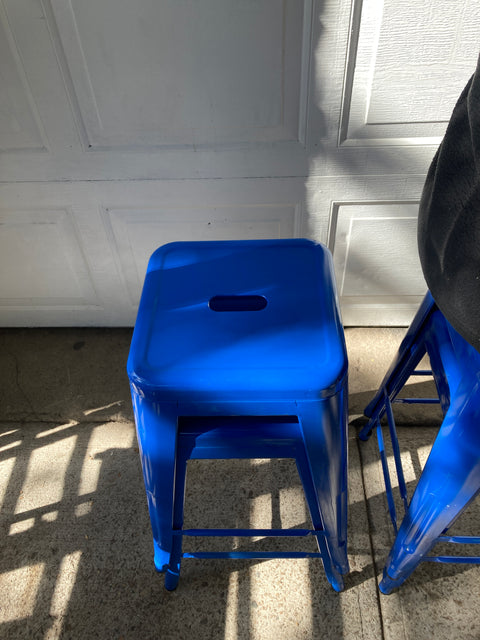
449, 218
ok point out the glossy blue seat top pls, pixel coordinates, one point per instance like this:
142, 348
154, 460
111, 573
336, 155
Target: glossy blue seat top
239, 320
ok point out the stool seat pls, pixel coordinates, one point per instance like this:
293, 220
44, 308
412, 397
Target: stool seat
238, 352
199, 325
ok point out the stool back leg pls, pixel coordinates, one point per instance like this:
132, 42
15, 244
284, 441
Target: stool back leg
172, 574
410, 352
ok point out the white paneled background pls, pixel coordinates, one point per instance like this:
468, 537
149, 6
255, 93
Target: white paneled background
125, 125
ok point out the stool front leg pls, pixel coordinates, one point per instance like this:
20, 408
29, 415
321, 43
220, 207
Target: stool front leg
157, 436
450, 479
324, 425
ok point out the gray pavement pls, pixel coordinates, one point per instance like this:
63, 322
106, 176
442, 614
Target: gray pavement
76, 554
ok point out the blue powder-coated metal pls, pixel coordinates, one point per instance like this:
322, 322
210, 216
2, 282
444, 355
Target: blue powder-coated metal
451, 476
238, 352
289, 349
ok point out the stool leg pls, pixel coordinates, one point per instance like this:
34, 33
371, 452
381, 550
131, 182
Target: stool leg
333, 576
324, 426
157, 435
172, 574
450, 479
409, 354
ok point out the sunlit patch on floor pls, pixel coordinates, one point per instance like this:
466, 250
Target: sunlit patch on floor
19, 589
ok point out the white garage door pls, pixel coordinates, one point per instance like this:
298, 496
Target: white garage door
125, 125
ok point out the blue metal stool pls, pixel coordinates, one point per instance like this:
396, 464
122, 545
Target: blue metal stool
238, 352
451, 476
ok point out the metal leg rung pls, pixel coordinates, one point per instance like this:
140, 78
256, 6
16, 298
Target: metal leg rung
453, 559
416, 401
248, 533
250, 555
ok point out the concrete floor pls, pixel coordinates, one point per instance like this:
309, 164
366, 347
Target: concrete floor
76, 558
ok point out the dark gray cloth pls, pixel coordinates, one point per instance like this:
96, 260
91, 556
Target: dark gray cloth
449, 218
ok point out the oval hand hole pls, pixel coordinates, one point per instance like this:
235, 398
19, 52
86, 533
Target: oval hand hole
237, 303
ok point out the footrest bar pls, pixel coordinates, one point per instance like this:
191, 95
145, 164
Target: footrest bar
248, 533
416, 401
459, 539
453, 559
250, 555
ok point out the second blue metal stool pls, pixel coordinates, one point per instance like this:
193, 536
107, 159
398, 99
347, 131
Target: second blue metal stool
450, 479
